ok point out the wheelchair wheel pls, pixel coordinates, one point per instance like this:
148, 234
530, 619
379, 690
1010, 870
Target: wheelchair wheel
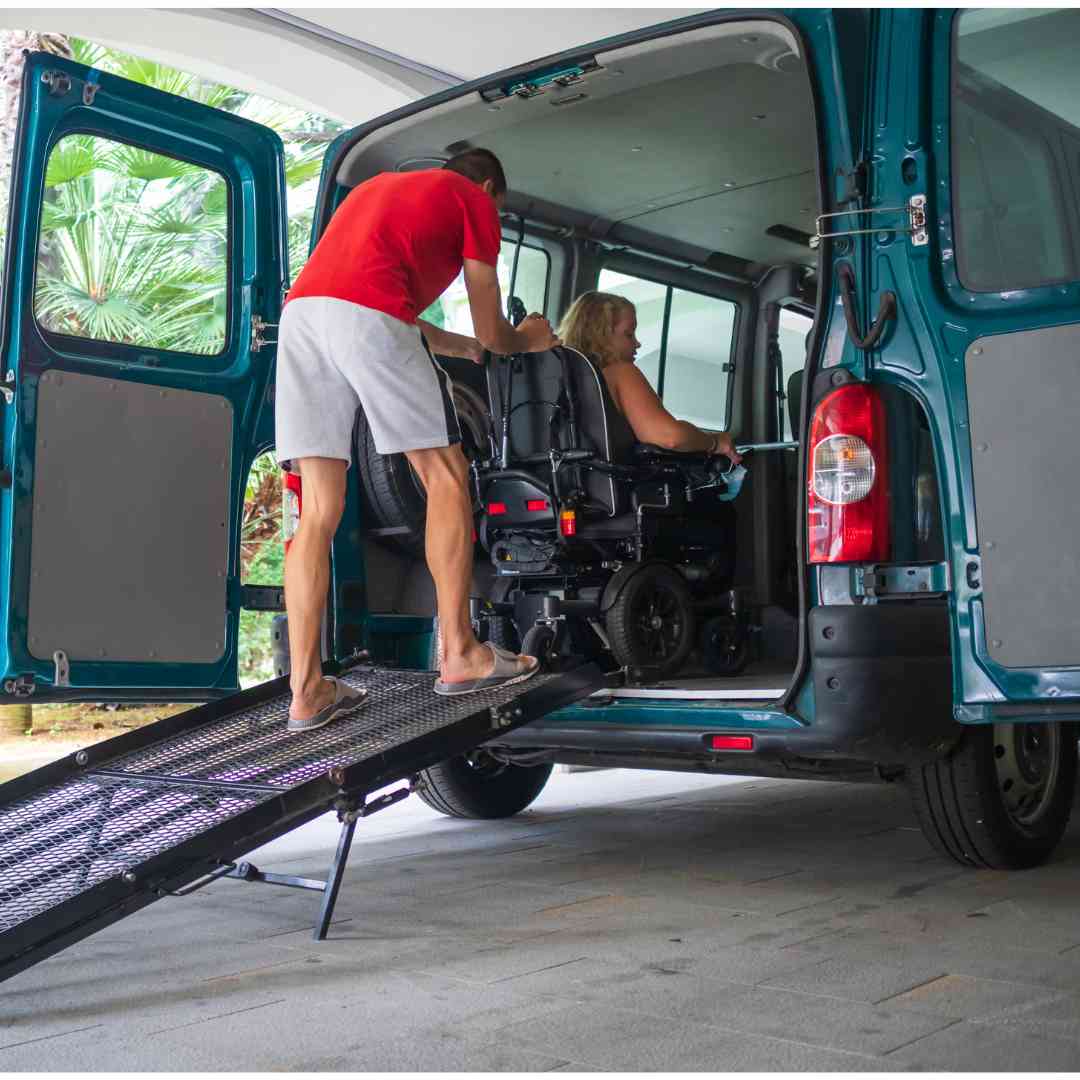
501, 631
650, 621
725, 646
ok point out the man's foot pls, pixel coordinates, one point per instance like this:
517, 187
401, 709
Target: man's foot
331, 698
501, 669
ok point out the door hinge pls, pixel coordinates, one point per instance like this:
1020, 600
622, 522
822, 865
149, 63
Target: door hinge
915, 228
58, 82
258, 331
7, 388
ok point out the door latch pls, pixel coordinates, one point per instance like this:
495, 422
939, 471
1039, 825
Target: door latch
258, 333
915, 228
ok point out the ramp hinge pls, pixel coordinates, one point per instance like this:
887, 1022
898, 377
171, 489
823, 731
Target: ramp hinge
61, 672
258, 332
502, 716
916, 222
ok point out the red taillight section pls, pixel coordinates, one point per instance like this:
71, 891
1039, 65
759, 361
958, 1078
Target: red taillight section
496, 508
537, 504
291, 500
568, 522
847, 502
731, 742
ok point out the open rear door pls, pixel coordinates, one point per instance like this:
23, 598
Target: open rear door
993, 288
146, 248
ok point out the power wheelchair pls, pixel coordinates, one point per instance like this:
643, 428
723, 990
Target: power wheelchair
603, 548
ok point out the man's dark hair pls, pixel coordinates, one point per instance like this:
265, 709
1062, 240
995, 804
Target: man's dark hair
479, 165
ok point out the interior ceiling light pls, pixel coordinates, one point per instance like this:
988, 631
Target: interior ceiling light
750, 39
760, 116
729, 183
636, 149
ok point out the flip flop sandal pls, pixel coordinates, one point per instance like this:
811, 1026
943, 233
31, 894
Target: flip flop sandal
346, 698
508, 670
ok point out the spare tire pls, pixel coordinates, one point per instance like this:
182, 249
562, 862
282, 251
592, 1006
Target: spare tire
391, 493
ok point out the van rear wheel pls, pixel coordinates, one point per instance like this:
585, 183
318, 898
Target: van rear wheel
479, 786
1002, 799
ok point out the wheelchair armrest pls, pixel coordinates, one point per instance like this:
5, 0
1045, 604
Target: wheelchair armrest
676, 457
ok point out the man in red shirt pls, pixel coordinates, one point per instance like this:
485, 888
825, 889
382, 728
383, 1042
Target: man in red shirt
350, 337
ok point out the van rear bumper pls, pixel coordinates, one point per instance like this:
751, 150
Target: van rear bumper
882, 684
882, 679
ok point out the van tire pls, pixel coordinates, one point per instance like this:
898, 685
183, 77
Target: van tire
478, 787
964, 806
393, 496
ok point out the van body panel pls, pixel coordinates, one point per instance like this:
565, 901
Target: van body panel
100, 557
970, 357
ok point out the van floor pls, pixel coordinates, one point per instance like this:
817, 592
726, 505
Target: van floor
765, 680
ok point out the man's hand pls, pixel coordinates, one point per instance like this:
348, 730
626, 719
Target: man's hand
474, 351
723, 445
537, 332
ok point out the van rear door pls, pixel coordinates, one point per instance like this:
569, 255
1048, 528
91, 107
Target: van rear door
146, 248
980, 111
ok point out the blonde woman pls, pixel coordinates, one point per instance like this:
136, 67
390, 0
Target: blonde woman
603, 326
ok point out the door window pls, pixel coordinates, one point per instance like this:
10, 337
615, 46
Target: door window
791, 333
1014, 120
133, 248
686, 341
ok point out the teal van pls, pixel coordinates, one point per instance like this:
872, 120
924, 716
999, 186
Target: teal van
852, 238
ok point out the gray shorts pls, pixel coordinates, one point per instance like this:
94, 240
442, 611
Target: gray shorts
333, 357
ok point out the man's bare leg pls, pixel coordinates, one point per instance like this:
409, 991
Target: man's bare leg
307, 579
449, 548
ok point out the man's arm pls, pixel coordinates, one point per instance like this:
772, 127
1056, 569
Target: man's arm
493, 330
446, 343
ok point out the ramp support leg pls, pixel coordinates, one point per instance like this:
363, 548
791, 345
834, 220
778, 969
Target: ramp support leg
333, 881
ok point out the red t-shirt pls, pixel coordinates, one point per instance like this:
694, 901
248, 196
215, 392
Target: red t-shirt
399, 239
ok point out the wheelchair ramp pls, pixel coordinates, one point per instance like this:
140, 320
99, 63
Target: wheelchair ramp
104, 832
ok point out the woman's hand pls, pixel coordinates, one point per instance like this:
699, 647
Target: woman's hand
722, 444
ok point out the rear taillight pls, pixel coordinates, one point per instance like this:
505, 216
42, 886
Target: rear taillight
496, 508
568, 522
535, 505
848, 498
291, 499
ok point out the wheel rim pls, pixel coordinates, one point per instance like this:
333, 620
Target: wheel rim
658, 624
484, 764
1027, 758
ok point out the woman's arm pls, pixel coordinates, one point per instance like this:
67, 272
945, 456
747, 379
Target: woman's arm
445, 343
652, 423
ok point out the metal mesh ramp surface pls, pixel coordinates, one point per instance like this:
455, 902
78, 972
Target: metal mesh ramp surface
97, 835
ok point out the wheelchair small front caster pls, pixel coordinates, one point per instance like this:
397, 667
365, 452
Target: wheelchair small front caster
540, 641
725, 645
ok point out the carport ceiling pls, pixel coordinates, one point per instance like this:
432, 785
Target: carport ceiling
349, 63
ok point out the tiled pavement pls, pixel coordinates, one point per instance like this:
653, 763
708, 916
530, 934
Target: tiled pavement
631, 921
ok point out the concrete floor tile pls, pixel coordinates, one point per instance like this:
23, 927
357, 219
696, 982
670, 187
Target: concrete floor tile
608, 1038
869, 982
967, 1047
969, 998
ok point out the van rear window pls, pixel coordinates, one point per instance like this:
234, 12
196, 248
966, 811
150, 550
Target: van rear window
1016, 148
133, 248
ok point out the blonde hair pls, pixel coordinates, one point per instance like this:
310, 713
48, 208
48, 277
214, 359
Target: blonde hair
590, 323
